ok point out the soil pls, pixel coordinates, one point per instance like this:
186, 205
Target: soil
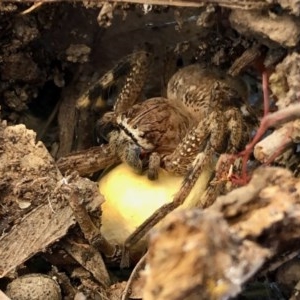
50, 55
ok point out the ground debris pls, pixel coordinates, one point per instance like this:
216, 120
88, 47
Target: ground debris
283, 30
51, 55
284, 84
210, 254
86, 163
291, 5
34, 200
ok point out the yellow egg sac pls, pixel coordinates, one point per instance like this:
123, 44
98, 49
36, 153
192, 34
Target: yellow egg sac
131, 198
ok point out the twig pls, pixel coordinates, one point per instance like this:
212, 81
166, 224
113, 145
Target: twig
88, 161
32, 8
265, 86
133, 275
185, 3
277, 118
245, 4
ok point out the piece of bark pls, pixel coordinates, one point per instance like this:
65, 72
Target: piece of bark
210, 254
67, 122
34, 197
89, 258
88, 161
39, 229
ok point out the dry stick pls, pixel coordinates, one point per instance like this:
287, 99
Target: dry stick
32, 8
282, 260
234, 4
242, 4
133, 275
285, 143
86, 162
164, 2
266, 122
288, 114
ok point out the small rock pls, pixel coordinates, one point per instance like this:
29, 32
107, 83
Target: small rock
34, 287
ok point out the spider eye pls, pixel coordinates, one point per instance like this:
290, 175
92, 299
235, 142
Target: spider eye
134, 126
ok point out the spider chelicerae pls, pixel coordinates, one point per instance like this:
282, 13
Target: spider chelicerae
203, 114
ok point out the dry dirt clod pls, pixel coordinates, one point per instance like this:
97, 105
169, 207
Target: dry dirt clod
284, 30
211, 254
284, 82
20, 66
291, 5
197, 253
78, 53
34, 287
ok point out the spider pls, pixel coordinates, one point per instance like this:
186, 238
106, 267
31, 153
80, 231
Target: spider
203, 115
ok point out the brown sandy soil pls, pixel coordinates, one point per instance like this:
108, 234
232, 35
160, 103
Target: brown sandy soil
244, 246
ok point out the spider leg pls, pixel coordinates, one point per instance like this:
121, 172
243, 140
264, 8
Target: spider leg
198, 136
144, 228
238, 136
214, 145
153, 166
159, 214
238, 132
136, 67
134, 81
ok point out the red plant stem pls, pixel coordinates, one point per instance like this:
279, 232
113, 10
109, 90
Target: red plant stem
265, 88
261, 130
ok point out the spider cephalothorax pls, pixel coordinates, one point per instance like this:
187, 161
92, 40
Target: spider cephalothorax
150, 131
